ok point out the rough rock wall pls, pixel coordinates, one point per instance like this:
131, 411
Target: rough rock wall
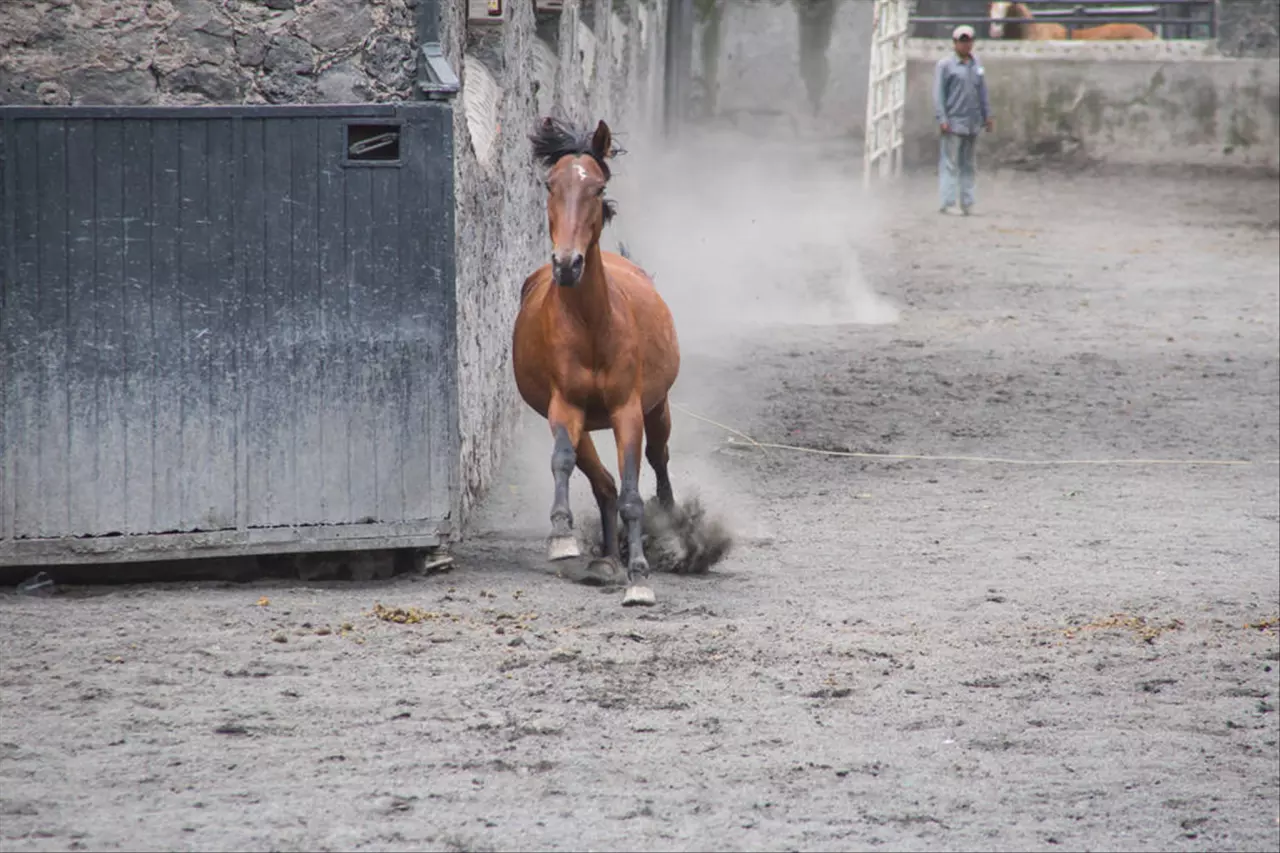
206, 51
604, 61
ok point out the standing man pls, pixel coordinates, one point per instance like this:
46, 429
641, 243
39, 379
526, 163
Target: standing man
961, 107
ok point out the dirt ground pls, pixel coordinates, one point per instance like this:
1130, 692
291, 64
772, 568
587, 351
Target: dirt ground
905, 654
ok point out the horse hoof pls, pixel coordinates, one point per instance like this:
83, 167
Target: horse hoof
563, 548
606, 572
601, 573
639, 596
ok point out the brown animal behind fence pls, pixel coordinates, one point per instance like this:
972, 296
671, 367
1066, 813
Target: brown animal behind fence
1048, 31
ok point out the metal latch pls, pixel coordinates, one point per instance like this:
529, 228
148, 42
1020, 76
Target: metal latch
373, 143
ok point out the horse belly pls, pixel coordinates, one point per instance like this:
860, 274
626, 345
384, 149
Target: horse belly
661, 366
660, 348
536, 395
596, 420
1115, 32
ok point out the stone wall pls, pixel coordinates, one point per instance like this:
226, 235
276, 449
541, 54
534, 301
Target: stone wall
206, 51
1132, 104
595, 59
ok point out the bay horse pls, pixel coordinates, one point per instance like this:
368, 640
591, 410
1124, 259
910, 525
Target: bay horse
594, 348
1037, 31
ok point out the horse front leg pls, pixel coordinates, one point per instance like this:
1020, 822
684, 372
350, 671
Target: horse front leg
566, 423
628, 432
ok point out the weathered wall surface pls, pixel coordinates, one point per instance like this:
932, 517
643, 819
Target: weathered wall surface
596, 59
1249, 28
206, 51
1122, 104
760, 58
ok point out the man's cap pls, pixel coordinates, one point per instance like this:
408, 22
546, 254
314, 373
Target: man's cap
962, 31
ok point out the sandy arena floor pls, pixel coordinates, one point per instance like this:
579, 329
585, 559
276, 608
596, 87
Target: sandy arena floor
902, 653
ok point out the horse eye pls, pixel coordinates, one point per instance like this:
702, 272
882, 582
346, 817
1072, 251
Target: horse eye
600, 192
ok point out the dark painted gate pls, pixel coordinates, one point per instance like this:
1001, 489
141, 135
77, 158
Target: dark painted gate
225, 330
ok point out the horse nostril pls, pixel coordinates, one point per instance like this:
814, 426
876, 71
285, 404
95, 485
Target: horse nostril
567, 269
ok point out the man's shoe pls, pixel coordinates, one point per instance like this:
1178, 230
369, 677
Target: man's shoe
965, 210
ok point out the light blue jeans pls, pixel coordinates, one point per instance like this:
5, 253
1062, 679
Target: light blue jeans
956, 169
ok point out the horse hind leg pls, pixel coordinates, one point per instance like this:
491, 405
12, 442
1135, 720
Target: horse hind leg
657, 434
605, 491
628, 431
605, 570
566, 428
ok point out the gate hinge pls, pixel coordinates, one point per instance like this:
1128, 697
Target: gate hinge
440, 82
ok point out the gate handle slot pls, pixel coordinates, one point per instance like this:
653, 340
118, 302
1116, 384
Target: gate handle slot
373, 143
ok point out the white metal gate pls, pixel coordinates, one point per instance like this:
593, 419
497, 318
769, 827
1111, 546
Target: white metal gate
887, 87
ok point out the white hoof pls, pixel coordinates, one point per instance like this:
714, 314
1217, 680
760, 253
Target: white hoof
563, 548
639, 596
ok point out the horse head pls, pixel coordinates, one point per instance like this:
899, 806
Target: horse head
578, 173
998, 12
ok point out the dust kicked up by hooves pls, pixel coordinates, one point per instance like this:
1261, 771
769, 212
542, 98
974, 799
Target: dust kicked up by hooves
683, 541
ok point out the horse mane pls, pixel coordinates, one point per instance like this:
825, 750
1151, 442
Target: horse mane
555, 137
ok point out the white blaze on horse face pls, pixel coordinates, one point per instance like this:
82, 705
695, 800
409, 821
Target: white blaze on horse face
998, 11
580, 172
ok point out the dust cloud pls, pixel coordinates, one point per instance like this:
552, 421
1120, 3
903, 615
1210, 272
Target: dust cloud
741, 233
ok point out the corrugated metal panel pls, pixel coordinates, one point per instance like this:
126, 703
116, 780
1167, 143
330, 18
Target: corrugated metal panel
212, 320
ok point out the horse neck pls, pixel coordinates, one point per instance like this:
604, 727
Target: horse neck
1018, 30
1033, 31
589, 300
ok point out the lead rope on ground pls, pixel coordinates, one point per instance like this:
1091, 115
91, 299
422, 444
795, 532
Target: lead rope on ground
997, 460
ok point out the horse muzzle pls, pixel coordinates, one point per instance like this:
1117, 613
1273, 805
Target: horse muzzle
567, 270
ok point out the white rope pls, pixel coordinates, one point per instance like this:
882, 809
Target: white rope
993, 460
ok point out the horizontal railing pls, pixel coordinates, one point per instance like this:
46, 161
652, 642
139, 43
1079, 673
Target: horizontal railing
1172, 19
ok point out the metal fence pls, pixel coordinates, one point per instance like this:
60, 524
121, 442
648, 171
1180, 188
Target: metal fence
225, 330
1169, 19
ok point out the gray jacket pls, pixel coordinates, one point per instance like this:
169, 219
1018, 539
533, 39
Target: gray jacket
960, 94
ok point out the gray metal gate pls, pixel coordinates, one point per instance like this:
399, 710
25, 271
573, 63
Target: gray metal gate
225, 330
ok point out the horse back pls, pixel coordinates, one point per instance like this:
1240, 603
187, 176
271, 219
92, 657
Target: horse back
1115, 32
622, 269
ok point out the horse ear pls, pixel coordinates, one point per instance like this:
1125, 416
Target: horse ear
602, 141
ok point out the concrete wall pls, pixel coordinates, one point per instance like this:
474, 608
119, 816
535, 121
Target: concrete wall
205, 51
1249, 28
601, 61
749, 63
1122, 103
